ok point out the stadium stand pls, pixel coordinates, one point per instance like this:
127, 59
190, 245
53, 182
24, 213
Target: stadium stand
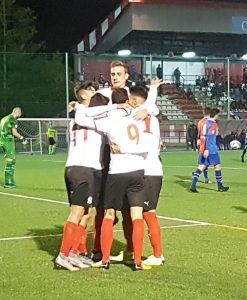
175, 104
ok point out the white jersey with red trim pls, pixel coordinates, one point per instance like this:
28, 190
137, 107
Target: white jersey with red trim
85, 147
153, 165
123, 130
129, 135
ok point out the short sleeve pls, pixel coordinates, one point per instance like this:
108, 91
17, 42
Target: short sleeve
13, 123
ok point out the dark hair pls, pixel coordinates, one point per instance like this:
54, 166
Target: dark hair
119, 63
207, 111
119, 95
214, 112
87, 84
98, 100
83, 86
138, 91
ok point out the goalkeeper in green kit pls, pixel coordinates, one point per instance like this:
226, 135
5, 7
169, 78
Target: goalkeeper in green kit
8, 131
51, 135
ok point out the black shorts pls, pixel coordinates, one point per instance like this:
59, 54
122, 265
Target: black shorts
51, 141
83, 185
106, 163
100, 203
151, 192
124, 187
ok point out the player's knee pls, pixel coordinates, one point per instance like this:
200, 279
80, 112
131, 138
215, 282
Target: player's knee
86, 216
110, 214
217, 167
76, 214
201, 167
136, 212
84, 220
10, 160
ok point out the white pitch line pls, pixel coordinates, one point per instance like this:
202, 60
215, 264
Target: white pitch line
166, 166
65, 203
186, 225
55, 161
184, 220
231, 168
90, 232
227, 168
161, 217
34, 198
28, 237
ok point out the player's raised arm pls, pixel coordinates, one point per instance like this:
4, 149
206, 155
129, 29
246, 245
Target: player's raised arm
98, 110
101, 122
145, 111
101, 110
153, 91
150, 107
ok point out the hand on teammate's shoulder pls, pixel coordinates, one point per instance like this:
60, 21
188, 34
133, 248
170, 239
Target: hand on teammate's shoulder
141, 114
115, 148
72, 105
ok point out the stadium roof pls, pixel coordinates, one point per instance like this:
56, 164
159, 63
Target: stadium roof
208, 27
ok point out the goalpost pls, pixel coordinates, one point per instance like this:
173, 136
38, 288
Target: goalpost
34, 131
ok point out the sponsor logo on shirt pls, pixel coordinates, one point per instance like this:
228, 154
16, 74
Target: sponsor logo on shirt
90, 200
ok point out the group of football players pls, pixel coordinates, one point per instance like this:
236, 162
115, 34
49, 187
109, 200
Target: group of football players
113, 165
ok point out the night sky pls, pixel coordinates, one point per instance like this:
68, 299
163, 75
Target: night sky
61, 24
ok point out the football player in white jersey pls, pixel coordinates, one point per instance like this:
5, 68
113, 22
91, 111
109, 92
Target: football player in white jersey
126, 172
127, 224
152, 185
83, 180
119, 76
79, 179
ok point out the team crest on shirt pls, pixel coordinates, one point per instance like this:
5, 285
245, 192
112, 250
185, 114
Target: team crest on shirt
90, 200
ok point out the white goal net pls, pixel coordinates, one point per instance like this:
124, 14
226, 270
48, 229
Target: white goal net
35, 132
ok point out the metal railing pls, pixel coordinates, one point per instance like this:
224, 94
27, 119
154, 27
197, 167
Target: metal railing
173, 137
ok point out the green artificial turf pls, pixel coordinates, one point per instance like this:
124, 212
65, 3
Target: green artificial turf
203, 262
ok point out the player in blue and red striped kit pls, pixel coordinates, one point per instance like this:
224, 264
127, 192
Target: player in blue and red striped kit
209, 154
245, 147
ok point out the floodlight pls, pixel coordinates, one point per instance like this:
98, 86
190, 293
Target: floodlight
190, 54
124, 52
244, 57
